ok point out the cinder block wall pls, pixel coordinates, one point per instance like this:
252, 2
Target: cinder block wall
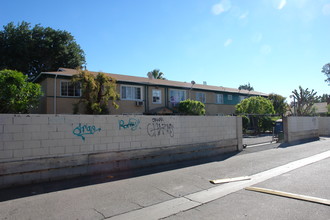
45, 147
324, 126
300, 128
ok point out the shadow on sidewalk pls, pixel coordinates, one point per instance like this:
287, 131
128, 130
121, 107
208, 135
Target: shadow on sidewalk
48, 187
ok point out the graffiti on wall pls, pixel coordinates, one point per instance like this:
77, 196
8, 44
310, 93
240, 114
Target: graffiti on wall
132, 124
82, 130
160, 127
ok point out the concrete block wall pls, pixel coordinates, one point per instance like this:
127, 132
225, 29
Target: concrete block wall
324, 126
39, 147
300, 129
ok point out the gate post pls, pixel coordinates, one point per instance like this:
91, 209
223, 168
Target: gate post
286, 129
239, 133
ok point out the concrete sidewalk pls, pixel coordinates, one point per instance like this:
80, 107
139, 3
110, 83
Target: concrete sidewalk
171, 193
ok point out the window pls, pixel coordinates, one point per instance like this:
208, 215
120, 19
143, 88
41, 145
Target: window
131, 93
177, 96
219, 98
242, 97
70, 89
200, 97
156, 96
230, 97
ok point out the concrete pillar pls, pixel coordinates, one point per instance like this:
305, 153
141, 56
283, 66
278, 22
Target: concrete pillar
286, 129
239, 133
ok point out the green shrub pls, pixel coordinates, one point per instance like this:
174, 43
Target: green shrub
246, 122
191, 107
17, 95
266, 123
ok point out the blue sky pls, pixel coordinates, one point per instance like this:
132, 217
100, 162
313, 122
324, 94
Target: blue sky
275, 45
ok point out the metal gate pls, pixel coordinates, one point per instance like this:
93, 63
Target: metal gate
261, 129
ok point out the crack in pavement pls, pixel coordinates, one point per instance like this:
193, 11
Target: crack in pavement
135, 203
99, 213
191, 200
166, 192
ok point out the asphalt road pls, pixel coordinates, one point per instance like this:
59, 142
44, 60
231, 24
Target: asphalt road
183, 191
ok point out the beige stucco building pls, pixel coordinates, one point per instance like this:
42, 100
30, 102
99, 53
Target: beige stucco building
139, 95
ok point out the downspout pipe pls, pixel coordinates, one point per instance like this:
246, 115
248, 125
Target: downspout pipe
55, 91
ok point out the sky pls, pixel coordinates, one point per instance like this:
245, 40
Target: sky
275, 45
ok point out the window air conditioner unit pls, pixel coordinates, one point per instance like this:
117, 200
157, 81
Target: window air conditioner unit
139, 103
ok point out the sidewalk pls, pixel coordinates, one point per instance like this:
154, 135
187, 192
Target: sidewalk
171, 191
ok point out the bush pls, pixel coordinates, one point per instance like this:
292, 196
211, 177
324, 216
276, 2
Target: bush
266, 124
97, 91
191, 107
246, 122
17, 95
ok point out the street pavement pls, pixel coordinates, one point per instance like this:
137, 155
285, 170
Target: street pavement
184, 191
259, 139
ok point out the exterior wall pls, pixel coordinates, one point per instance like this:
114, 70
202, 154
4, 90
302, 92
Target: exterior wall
64, 105
127, 107
42, 108
300, 129
170, 102
324, 126
46, 147
211, 107
50, 86
152, 105
220, 109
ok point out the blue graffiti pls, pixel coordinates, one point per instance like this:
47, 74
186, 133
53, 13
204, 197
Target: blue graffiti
80, 130
132, 124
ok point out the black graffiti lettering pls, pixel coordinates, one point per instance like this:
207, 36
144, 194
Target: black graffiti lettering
159, 127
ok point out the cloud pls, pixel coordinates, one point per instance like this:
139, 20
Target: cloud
281, 4
278, 4
221, 7
244, 15
326, 9
228, 42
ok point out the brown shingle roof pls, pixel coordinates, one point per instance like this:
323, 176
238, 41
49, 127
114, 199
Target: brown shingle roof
159, 82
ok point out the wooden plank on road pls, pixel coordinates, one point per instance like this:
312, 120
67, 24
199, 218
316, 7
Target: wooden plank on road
290, 195
228, 180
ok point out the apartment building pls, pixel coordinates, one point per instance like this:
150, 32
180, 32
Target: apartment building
139, 95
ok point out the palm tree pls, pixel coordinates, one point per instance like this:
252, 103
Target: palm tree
156, 74
246, 87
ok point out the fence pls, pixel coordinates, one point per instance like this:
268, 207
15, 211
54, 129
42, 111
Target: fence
301, 128
36, 148
324, 126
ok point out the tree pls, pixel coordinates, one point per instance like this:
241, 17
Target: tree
17, 95
192, 107
256, 105
257, 108
96, 91
323, 98
304, 101
246, 87
279, 103
326, 71
156, 74
38, 49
